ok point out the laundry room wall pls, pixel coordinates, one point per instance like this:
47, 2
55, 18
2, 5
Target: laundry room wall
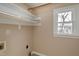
16, 39
43, 39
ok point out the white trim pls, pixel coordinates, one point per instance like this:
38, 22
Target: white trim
37, 53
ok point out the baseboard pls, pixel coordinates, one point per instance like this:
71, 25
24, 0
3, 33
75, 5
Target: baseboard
37, 53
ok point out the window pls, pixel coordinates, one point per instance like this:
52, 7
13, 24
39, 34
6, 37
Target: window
66, 21
64, 25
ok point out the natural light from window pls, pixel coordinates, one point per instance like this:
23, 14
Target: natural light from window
64, 23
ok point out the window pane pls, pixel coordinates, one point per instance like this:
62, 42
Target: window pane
60, 30
65, 16
59, 24
60, 17
67, 28
68, 16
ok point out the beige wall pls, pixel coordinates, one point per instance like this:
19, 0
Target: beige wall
16, 39
43, 39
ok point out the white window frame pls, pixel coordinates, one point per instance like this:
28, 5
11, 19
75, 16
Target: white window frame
75, 18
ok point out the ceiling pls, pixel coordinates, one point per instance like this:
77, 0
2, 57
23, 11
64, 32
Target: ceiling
32, 5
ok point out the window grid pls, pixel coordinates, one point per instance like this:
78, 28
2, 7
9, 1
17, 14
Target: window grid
64, 25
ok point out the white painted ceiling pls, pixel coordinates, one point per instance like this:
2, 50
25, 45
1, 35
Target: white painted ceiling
32, 5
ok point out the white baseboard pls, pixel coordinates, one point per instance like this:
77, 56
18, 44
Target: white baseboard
37, 53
